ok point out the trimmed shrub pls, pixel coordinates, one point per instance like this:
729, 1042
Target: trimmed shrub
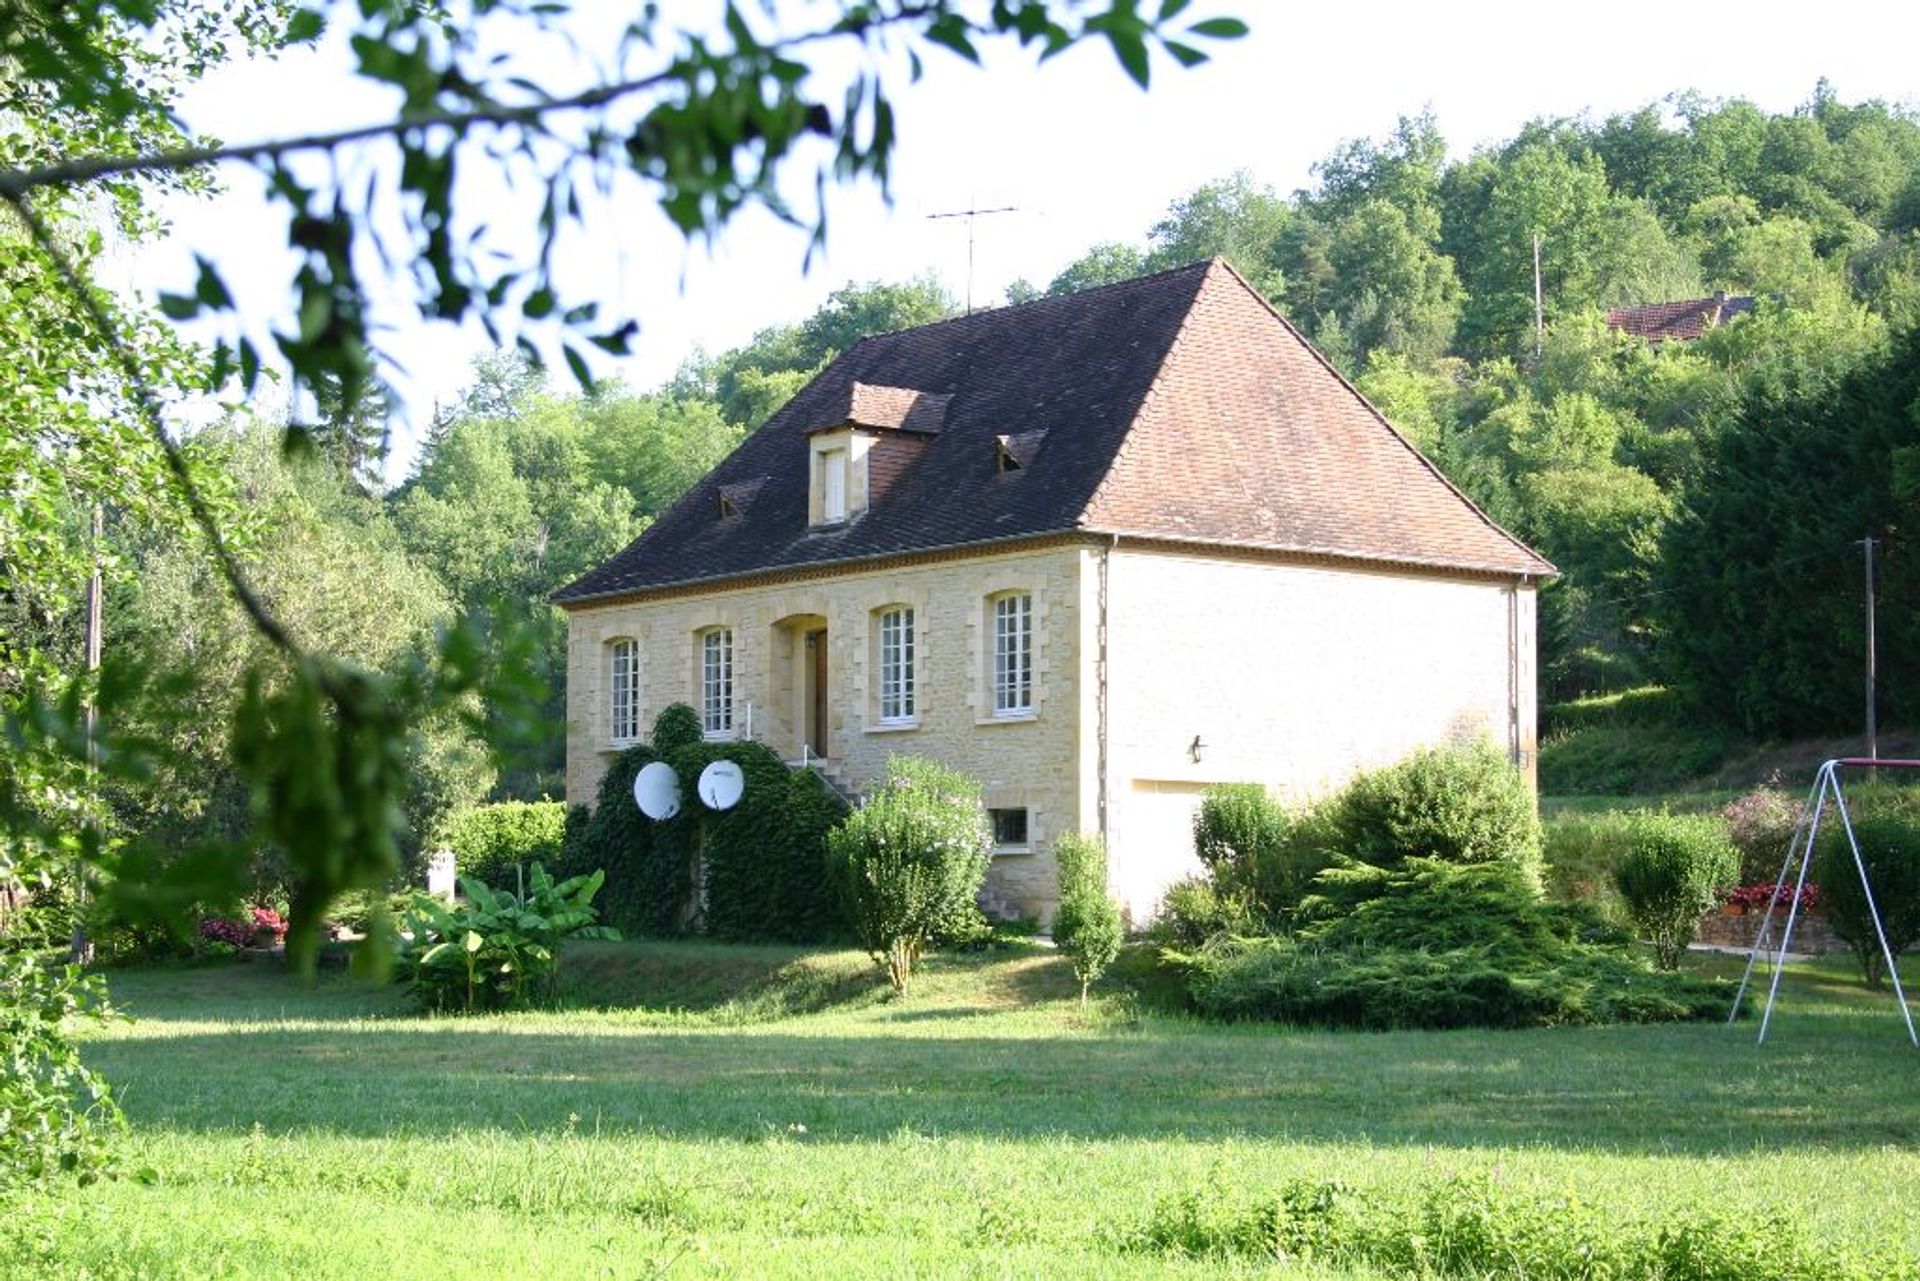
1086, 927
1250, 844
676, 726
912, 857
617, 838
1456, 804
1890, 849
756, 871
489, 841
1677, 868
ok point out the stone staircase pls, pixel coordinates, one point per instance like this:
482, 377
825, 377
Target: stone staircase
833, 776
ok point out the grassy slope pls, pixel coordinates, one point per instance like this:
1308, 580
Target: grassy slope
984, 1127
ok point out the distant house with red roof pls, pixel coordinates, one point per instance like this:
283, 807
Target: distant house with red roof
1102, 551
1684, 321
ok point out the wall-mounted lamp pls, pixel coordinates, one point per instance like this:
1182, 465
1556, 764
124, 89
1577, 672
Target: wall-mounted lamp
1195, 748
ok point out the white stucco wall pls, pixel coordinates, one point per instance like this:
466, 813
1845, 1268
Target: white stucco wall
1293, 676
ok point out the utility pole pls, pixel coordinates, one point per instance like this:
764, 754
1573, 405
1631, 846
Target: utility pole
1539, 306
80, 946
970, 214
1873, 729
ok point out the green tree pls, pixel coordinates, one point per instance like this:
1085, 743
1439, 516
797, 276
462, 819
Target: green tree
1104, 264
1760, 618
1234, 218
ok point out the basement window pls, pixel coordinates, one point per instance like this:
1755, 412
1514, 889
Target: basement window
1010, 831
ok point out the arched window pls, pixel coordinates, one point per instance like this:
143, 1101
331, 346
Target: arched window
716, 682
623, 691
896, 665
1013, 654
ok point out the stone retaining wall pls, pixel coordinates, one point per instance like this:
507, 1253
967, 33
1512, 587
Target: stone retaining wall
1811, 932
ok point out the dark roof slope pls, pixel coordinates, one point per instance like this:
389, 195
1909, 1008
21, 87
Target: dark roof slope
1684, 320
1176, 405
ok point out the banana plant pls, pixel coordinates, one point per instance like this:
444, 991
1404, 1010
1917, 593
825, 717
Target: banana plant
497, 949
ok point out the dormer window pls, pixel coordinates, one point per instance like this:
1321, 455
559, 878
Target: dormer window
735, 497
1015, 452
833, 486
870, 440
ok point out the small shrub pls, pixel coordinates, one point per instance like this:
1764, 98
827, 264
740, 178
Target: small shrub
1244, 837
912, 857
1890, 849
490, 841
1194, 910
1087, 925
1457, 804
1761, 825
1676, 870
498, 950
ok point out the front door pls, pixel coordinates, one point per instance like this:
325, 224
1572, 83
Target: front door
817, 692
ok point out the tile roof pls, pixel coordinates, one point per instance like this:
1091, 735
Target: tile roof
1685, 320
1177, 406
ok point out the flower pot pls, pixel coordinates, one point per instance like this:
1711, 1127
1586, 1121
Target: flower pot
265, 937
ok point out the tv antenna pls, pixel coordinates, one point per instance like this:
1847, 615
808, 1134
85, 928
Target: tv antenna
971, 214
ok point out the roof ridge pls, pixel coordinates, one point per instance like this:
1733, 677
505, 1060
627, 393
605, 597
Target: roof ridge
1382, 419
1043, 300
1082, 520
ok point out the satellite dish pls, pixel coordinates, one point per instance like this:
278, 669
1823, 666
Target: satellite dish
656, 790
721, 784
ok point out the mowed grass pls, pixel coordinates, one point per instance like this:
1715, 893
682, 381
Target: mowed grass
758, 1111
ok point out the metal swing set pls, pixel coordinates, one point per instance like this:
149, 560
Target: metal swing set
1826, 791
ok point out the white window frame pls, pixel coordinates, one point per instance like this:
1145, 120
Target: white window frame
898, 705
833, 486
716, 682
623, 691
1012, 657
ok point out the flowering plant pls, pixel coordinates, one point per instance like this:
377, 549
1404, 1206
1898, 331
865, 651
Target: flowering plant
232, 933
265, 918
1757, 898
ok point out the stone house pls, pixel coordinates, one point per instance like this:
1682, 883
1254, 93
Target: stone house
1101, 551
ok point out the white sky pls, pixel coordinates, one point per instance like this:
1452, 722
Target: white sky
1085, 155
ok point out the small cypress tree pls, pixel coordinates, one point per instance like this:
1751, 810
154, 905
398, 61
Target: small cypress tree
1086, 926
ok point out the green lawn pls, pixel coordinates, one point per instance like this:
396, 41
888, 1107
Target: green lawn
784, 1118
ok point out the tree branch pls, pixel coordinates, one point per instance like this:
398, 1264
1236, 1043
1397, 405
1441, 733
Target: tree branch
85, 169
148, 404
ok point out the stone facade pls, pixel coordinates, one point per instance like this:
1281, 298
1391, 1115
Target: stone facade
1026, 762
1288, 673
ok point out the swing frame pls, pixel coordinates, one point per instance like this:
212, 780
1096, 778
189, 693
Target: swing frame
1826, 790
